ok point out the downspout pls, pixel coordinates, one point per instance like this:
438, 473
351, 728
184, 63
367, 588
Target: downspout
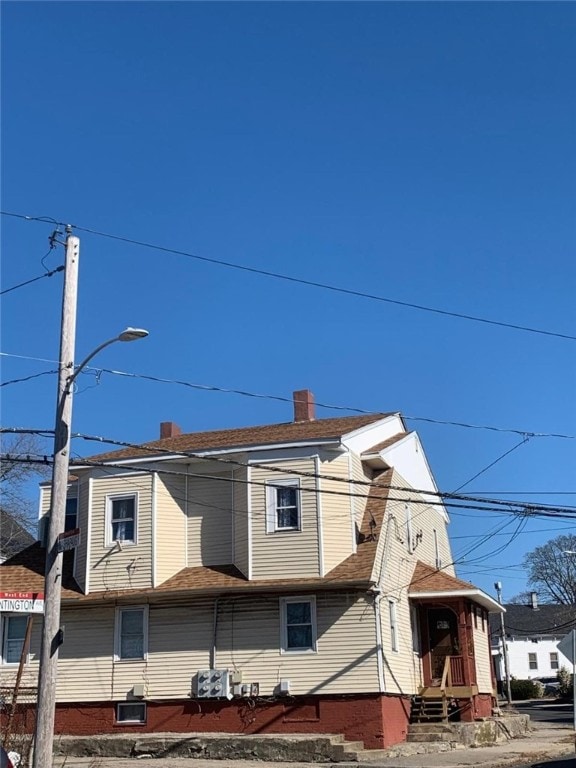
377, 594
214, 634
319, 520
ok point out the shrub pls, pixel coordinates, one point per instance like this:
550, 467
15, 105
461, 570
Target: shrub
526, 689
565, 680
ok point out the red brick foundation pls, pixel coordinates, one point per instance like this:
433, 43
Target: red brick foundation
378, 721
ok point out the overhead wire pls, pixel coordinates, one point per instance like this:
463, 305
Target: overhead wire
492, 463
446, 498
301, 280
285, 399
27, 378
33, 280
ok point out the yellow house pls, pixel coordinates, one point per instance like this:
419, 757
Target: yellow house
292, 577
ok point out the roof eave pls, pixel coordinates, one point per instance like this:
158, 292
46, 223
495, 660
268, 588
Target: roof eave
476, 595
241, 589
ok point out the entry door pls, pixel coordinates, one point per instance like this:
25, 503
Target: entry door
443, 630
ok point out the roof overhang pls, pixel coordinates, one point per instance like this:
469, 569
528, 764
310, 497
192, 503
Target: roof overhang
475, 595
330, 443
245, 589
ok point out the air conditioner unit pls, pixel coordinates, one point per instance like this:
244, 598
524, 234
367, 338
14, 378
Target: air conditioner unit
213, 684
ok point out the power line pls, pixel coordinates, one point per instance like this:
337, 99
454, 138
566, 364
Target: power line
33, 280
26, 378
285, 399
492, 463
300, 280
514, 506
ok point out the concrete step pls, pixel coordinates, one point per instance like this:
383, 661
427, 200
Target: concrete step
346, 751
429, 728
425, 737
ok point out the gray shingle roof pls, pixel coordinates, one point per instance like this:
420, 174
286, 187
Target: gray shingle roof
523, 621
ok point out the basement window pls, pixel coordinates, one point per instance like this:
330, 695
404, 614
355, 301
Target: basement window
130, 712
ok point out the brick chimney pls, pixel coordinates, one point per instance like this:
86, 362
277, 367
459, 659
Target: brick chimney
169, 429
303, 405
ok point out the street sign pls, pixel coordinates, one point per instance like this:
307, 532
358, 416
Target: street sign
69, 540
21, 602
566, 646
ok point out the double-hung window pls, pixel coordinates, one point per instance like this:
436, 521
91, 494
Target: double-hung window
14, 631
131, 633
532, 661
298, 624
122, 514
283, 506
71, 519
554, 661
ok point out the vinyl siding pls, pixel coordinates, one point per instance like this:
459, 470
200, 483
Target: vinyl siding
83, 524
170, 526
393, 569
482, 654
210, 512
130, 566
240, 522
360, 474
336, 513
180, 641
287, 554
76, 490
345, 661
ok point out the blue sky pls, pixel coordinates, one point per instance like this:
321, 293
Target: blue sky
419, 151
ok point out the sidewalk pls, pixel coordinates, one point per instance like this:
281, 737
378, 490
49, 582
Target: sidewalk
545, 742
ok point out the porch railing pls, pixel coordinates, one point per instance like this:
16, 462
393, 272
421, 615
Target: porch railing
453, 673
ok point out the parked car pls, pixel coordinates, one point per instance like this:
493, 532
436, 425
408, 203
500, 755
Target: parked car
551, 685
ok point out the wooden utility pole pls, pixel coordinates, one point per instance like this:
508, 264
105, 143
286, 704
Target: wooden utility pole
44, 733
498, 588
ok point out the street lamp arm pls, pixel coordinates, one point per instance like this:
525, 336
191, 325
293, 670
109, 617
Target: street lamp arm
130, 334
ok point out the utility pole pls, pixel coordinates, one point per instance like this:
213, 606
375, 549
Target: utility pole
51, 639
498, 588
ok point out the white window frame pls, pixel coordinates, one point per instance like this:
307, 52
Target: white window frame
69, 514
5, 622
121, 704
272, 505
393, 621
117, 635
109, 506
530, 667
284, 601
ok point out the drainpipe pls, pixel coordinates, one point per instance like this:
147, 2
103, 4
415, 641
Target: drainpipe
214, 634
377, 595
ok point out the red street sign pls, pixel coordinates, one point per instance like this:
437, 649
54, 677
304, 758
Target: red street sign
21, 602
69, 540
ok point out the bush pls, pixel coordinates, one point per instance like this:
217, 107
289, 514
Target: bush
526, 689
565, 680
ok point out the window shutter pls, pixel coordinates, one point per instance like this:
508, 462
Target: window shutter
270, 509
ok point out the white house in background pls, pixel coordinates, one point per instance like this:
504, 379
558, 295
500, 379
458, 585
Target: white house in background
532, 636
285, 578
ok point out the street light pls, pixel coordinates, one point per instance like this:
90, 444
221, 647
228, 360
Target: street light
51, 636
